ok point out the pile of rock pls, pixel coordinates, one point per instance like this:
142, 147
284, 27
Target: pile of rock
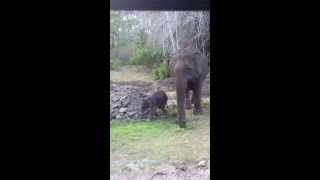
126, 102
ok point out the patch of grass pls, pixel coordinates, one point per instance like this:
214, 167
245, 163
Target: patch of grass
139, 129
160, 140
206, 102
116, 64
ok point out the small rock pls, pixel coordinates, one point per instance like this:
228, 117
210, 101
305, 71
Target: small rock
171, 103
131, 114
114, 99
122, 110
123, 98
182, 168
202, 163
125, 103
115, 105
132, 166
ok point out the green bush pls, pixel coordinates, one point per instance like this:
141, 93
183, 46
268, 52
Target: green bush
155, 74
160, 72
115, 64
145, 56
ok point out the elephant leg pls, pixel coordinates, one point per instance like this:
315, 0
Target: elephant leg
152, 113
197, 100
181, 86
192, 99
188, 102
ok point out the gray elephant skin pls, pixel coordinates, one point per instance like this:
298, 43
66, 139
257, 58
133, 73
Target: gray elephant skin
156, 100
190, 68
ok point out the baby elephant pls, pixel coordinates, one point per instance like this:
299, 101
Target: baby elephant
157, 100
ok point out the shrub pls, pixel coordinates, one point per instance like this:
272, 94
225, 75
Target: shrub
155, 74
145, 56
160, 72
115, 64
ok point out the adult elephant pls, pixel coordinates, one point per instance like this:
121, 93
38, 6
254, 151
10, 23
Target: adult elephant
190, 68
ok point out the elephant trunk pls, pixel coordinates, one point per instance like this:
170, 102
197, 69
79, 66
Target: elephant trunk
180, 92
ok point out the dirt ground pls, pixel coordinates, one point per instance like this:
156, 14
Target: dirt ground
199, 171
147, 86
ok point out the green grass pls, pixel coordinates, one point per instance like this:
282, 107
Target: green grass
206, 103
116, 64
160, 140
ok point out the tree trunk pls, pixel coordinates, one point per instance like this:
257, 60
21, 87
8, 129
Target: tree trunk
177, 37
171, 34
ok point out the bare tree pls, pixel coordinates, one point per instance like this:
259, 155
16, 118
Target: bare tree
167, 30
